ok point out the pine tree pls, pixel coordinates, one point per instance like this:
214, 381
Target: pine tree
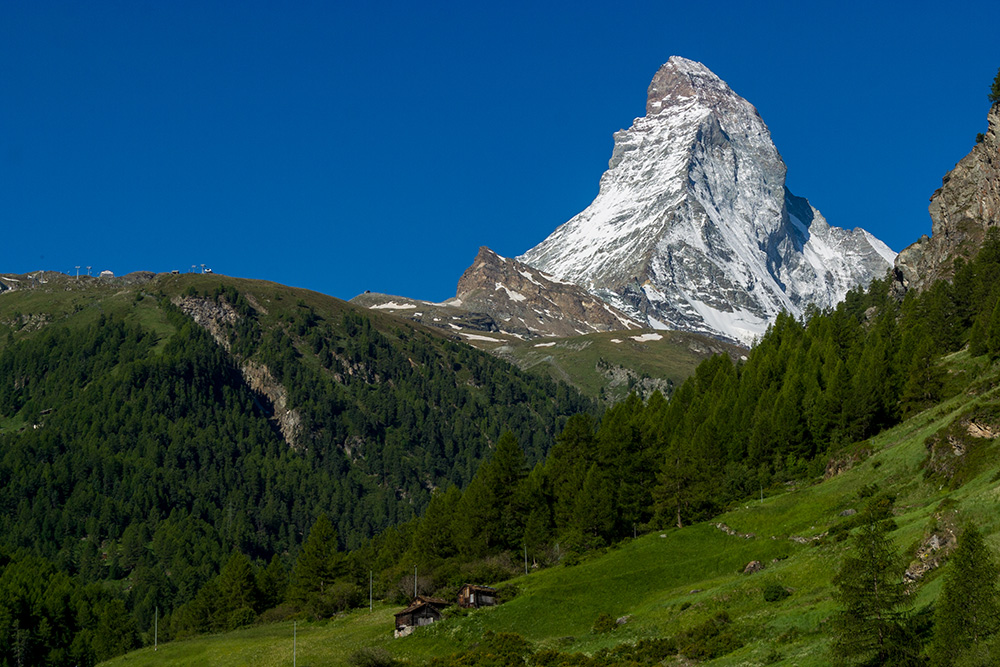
434, 538
993, 332
870, 627
272, 582
483, 515
925, 379
237, 584
977, 335
995, 89
679, 482
319, 562
595, 508
968, 609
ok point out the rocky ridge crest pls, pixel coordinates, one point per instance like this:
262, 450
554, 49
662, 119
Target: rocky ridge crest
526, 302
962, 210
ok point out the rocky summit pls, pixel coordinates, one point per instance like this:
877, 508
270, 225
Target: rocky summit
525, 301
962, 209
693, 227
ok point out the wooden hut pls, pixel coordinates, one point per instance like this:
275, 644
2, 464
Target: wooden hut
423, 610
475, 596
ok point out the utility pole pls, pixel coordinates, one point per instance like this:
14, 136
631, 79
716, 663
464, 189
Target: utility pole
369, 591
294, 627
526, 558
414, 581
156, 629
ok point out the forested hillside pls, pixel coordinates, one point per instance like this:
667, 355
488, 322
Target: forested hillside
135, 457
141, 471
802, 404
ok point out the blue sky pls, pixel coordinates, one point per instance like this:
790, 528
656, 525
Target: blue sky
349, 146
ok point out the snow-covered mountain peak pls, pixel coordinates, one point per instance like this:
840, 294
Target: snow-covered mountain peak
693, 227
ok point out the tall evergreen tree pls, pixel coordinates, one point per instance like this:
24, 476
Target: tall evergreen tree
484, 517
237, 584
595, 508
870, 627
968, 609
993, 332
924, 380
319, 563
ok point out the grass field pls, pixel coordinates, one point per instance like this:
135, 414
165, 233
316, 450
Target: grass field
595, 363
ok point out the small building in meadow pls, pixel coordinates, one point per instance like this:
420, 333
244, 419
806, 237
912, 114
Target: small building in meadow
473, 596
423, 610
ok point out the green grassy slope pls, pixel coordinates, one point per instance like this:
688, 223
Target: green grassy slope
674, 579
610, 365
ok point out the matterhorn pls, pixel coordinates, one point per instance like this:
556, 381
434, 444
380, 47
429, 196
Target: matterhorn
693, 227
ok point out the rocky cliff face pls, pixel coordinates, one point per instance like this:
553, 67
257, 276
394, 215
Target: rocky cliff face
693, 227
962, 210
524, 301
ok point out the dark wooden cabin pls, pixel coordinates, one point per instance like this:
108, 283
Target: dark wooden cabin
475, 596
423, 610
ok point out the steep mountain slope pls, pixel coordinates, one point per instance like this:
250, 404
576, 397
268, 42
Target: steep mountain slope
152, 425
524, 301
693, 227
390, 407
962, 210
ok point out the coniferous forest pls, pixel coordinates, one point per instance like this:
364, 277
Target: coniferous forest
142, 480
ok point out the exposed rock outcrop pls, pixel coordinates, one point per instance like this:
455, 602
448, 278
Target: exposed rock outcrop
216, 317
499, 294
524, 301
962, 210
935, 548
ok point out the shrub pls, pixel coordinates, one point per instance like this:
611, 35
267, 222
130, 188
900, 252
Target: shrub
713, 638
240, 618
371, 657
604, 623
775, 593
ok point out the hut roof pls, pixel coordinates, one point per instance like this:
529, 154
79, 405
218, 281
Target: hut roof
477, 587
422, 600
